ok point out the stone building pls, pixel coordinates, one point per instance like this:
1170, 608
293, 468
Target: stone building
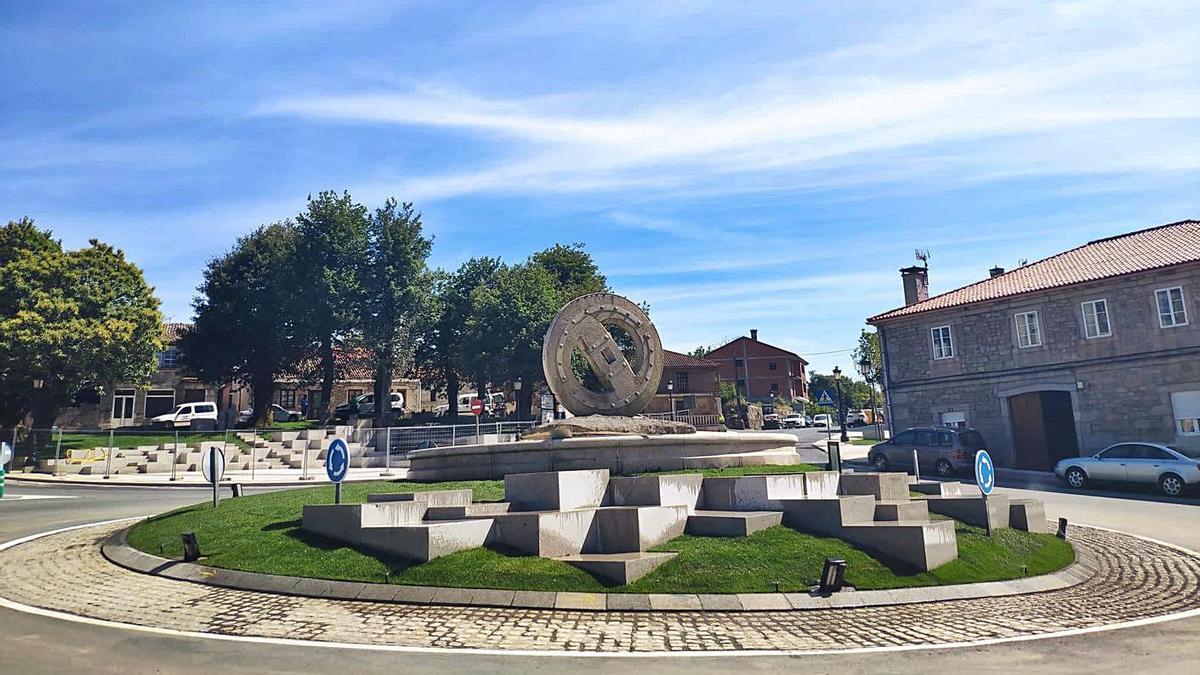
1060, 357
126, 404
761, 372
695, 385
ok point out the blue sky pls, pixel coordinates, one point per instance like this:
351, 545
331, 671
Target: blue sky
737, 165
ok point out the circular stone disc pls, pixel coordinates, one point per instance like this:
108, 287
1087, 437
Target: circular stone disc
581, 323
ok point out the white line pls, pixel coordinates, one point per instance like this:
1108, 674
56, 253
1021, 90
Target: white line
17, 498
39, 611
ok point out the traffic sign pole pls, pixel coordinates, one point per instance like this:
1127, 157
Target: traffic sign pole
985, 478
212, 471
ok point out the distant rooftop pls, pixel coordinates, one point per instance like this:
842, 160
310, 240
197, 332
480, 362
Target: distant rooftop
1154, 248
677, 360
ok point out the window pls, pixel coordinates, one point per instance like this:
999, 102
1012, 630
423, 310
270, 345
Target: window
168, 358
1171, 309
954, 419
681, 382
206, 408
122, 405
774, 387
1187, 412
924, 437
738, 362
770, 365
1029, 331
1157, 454
1125, 451
943, 345
904, 438
1095, 319
741, 384
945, 439
971, 440
159, 402
286, 398
351, 393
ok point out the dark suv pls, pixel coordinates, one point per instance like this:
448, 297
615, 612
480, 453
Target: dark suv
948, 452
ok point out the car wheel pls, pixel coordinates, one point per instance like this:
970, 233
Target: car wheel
944, 468
1076, 478
293, 418
1171, 485
881, 462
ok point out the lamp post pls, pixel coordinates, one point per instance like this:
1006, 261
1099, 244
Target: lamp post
517, 395
837, 376
864, 367
671, 397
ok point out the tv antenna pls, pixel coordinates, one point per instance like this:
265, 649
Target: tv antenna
923, 256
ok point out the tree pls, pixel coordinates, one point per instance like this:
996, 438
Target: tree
868, 347
574, 271
700, 352
331, 244
245, 324
393, 280
72, 319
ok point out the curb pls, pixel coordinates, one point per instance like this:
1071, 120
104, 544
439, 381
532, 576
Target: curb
118, 551
42, 479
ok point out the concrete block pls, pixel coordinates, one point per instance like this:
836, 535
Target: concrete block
618, 568
752, 493
346, 522
938, 488
972, 510
821, 484
628, 529
681, 490
731, 523
882, 486
479, 510
549, 534
1028, 515
922, 545
828, 516
560, 490
902, 511
429, 498
426, 541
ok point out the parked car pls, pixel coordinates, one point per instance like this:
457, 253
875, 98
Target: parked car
1173, 468
366, 406
794, 421
948, 452
277, 412
771, 421
187, 415
822, 420
856, 418
495, 401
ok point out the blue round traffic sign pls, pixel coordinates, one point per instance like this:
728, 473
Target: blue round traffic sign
337, 460
985, 472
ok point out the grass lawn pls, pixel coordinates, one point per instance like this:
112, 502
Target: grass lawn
862, 441
77, 440
261, 533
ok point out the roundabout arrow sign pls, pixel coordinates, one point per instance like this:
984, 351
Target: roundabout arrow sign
985, 472
337, 465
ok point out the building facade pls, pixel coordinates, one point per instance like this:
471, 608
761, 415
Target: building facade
126, 404
760, 371
695, 386
1058, 358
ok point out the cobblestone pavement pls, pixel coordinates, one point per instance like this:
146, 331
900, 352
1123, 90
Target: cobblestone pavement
1135, 579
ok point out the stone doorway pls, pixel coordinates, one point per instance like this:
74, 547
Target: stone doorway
1043, 428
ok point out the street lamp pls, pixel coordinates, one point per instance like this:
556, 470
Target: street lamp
864, 367
517, 395
671, 396
38, 382
837, 376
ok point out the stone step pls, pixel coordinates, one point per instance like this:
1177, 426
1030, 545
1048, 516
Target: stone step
618, 568
478, 510
940, 488
628, 529
549, 534
904, 510
680, 490
828, 516
557, 490
1028, 515
421, 542
882, 486
776, 457
428, 497
731, 523
922, 545
972, 510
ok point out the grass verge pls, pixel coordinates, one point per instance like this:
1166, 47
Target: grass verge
261, 533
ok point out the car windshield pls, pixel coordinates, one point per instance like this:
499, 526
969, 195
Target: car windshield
1190, 453
971, 439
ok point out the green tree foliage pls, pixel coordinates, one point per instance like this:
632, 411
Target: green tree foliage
394, 283
332, 244
856, 393
868, 348
245, 317
72, 319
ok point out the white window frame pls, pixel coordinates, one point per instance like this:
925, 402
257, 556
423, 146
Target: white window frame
1107, 318
1170, 301
1037, 329
936, 343
1181, 415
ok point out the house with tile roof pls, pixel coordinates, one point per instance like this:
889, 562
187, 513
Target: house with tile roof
1061, 357
694, 386
761, 371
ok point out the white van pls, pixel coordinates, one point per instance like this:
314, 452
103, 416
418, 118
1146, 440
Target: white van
185, 414
493, 401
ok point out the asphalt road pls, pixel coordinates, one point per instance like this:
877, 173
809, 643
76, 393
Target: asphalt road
35, 644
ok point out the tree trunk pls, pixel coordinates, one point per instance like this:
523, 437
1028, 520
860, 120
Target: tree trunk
525, 402
328, 370
45, 409
262, 390
383, 392
452, 392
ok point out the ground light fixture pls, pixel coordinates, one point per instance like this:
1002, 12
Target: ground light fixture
517, 395
833, 576
671, 396
191, 548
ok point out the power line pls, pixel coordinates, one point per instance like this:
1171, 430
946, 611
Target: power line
836, 351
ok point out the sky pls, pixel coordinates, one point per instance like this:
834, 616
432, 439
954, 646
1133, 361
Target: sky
736, 165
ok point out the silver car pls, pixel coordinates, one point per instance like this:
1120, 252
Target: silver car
1175, 469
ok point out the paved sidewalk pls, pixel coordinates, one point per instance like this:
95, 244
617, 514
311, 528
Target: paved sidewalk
1135, 580
264, 478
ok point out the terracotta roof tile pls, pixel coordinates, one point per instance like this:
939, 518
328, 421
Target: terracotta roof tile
1157, 247
676, 360
173, 331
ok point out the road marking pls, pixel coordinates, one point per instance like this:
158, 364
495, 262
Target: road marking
14, 498
39, 611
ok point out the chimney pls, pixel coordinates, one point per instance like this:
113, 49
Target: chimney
995, 272
916, 284
754, 334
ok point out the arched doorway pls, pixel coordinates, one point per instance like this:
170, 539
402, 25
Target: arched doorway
1043, 428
